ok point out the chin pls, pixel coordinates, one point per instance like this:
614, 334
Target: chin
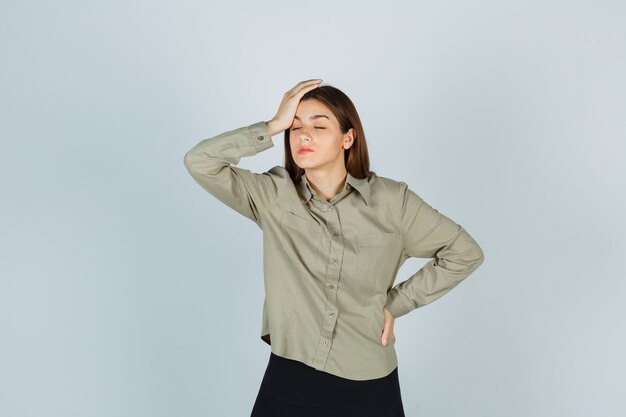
305, 164
309, 165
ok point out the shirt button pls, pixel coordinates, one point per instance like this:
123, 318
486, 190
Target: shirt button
331, 315
334, 260
330, 207
331, 286
325, 342
335, 234
260, 138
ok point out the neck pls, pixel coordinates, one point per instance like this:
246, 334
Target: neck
327, 184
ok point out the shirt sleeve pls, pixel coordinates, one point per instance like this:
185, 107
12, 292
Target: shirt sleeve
212, 162
430, 234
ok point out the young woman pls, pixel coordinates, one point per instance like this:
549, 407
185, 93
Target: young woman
334, 236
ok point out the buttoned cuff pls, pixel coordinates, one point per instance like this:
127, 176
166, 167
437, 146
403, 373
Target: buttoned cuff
260, 136
395, 305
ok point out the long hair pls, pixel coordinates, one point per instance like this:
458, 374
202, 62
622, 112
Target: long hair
356, 157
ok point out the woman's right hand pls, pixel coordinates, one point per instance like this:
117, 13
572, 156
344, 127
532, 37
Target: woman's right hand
287, 109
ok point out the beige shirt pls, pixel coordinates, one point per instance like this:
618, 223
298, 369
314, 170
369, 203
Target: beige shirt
329, 266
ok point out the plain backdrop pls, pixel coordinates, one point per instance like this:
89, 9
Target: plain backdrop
126, 290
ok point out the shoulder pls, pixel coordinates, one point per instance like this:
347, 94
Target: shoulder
279, 173
389, 187
280, 176
279, 179
397, 193
285, 189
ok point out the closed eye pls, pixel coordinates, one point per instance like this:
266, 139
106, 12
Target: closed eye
296, 128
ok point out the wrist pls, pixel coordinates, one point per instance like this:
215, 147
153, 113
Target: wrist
271, 127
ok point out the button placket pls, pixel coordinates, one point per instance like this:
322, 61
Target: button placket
332, 277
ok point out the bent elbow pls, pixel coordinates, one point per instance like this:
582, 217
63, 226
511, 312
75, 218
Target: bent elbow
198, 164
188, 160
479, 256
465, 253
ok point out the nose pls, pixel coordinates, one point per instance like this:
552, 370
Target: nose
304, 136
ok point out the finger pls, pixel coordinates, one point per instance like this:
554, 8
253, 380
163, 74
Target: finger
385, 336
312, 80
308, 87
303, 84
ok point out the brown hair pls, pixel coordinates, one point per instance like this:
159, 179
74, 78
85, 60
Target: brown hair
356, 157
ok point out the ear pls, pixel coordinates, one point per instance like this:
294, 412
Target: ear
348, 138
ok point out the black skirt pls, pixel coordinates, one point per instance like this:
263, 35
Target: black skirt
291, 388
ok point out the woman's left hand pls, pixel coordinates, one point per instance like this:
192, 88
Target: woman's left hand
388, 327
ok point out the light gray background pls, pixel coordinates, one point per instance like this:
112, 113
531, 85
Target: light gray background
127, 290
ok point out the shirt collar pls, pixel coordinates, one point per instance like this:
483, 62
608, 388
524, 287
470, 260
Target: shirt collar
360, 184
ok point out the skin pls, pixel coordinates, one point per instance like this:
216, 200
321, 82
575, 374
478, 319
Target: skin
325, 168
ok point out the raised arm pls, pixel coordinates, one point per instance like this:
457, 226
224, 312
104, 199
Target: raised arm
430, 234
212, 161
212, 164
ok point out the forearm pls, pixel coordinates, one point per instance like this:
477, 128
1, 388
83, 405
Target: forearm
452, 264
272, 129
210, 155
212, 165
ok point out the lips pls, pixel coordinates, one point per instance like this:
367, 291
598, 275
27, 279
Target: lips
305, 150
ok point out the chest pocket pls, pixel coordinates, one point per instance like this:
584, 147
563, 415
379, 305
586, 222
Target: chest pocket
303, 236
375, 256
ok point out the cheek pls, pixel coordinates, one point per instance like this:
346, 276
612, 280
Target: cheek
331, 149
328, 155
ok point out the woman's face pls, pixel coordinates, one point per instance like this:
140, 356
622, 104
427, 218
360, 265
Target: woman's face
315, 127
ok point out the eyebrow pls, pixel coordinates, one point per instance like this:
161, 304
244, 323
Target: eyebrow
315, 116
